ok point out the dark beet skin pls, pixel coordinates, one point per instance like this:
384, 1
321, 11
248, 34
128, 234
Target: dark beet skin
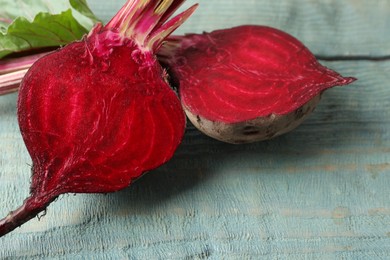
246, 72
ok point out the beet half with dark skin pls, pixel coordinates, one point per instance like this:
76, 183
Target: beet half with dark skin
98, 113
247, 83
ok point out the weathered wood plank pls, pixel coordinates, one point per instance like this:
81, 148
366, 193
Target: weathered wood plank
319, 192
327, 27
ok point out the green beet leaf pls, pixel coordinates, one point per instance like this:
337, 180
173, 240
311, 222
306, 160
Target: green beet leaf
54, 23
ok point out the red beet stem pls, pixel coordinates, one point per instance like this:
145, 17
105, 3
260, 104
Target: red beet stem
31, 207
12, 71
9, 88
145, 21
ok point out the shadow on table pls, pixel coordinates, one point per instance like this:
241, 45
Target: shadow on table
201, 158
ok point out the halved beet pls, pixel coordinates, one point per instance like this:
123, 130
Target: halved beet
247, 83
98, 113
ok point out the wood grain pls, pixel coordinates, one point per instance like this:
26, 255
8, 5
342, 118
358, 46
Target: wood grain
327, 27
319, 192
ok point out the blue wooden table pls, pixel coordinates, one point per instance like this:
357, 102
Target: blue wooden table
319, 192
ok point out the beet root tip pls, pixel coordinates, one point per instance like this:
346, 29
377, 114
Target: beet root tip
348, 80
31, 207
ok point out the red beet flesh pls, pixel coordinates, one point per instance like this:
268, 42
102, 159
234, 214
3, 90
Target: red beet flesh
95, 127
97, 114
245, 73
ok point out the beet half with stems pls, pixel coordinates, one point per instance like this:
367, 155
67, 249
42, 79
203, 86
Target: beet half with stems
248, 83
98, 113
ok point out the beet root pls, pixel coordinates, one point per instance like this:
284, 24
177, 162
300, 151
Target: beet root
98, 113
248, 83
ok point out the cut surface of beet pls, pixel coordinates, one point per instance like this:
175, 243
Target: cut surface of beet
246, 83
239, 74
98, 113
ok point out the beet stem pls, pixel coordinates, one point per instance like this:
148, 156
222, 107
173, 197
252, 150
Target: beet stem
31, 208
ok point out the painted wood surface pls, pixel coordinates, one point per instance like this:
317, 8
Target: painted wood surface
319, 192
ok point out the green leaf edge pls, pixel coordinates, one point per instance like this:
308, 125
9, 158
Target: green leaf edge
19, 38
